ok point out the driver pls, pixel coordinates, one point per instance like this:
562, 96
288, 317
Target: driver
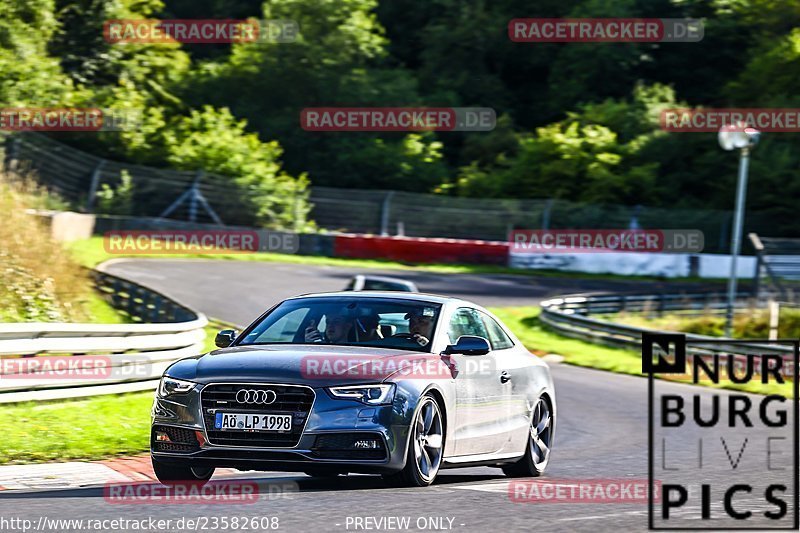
420, 326
337, 329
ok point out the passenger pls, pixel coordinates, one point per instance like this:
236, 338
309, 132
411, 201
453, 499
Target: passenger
337, 330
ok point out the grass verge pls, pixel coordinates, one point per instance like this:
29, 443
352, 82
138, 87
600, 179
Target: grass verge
87, 429
524, 321
81, 429
90, 253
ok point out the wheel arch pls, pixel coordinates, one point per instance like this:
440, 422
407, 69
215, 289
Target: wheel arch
438, 397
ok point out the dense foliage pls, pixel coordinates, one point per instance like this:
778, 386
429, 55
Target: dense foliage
39, 281
576, 121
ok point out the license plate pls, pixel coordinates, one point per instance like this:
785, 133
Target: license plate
252, 422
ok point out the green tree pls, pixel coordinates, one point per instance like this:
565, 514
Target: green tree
30, 76
116, 200
339, 59
214, 141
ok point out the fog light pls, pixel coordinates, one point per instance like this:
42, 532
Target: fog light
366, 444
162, 437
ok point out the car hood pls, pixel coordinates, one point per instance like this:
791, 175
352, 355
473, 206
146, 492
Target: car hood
316, 366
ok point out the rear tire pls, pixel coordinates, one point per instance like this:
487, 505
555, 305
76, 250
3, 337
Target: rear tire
425, 447
540, 442
169, 474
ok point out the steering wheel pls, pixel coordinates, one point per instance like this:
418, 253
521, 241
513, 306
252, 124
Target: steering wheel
422, 340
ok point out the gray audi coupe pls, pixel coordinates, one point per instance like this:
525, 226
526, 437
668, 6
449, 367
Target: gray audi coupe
397, 384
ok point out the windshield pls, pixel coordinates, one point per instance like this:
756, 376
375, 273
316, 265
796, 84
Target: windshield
375, 322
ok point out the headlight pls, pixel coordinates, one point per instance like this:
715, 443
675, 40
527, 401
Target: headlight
170, 386
368, 394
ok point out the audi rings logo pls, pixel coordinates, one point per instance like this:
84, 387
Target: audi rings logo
253, 396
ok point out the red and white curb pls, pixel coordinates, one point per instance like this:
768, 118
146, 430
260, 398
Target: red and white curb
78, 474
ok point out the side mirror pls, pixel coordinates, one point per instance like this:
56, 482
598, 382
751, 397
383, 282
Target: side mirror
469, 345
225, 338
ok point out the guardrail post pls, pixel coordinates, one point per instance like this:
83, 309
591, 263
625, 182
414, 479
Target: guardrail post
116, 298
296, 225
95, 181
548, 207
156, 302
131, 296
385, 207
12, 153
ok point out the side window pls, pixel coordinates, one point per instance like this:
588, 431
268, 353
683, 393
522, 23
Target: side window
466, 321
497, 337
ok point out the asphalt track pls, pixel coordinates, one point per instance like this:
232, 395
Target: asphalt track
239, 291
601, 434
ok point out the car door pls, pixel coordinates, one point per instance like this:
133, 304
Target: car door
513, 364
479, 391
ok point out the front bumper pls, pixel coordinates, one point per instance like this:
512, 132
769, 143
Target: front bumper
331, 426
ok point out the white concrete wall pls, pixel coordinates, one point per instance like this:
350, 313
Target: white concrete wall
641, 264
66, 226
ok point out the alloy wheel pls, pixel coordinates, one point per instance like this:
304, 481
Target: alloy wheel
541, 433
428, 439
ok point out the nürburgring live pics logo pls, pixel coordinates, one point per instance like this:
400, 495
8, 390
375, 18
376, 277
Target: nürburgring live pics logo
725, 459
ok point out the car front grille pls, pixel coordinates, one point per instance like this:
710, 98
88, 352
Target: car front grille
289, 399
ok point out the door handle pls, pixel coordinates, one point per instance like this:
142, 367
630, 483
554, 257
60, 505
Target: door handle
504, 377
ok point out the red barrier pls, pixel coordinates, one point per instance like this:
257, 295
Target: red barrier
421, 250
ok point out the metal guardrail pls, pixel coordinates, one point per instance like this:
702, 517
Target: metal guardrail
35, 357
569, 316
140, 303
778, 261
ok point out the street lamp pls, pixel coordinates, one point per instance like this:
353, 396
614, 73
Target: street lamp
743, 138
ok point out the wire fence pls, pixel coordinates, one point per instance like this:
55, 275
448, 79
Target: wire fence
78, 176
427, 215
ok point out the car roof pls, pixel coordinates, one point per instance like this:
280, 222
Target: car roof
393, 295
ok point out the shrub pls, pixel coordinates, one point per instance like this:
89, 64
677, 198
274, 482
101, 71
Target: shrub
38, 280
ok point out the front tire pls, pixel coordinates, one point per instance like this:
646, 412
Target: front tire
425, 447
169, 474
540, 442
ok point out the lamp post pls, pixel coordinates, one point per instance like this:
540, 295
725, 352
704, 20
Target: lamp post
743, 138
